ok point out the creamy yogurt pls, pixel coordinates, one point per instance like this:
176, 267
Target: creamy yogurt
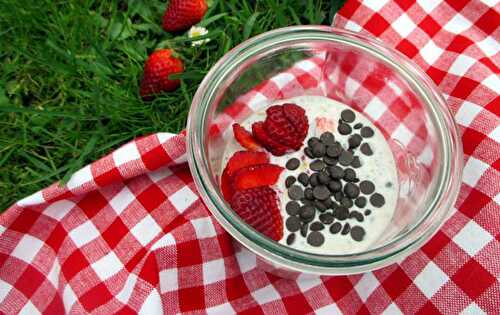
323, 115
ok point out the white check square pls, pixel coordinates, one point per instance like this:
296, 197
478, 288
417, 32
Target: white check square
458, 24
84, 233
375, 5
493, 83
5, 289
81, 177
169, 280
428, 5
214, 271
306, 282
122, 200
127, 153
495, 134
183, 198
266, 294
59, 209
404, 25
204, 228
375, 108
29, 309
466, 113
107, 266
146, 230
366, 286
222, 309
472, 238
461, 65
27, 248
473, 171
127, 289
430, 279
431, 52
402, 134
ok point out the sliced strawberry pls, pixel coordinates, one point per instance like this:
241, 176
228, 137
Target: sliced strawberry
279, 128
259, 208
272, 146
245, 138
256, 175
297, 116
239, 160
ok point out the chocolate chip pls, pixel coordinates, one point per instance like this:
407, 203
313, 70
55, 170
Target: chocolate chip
289, 181
316, 226
308, 193
366, 132
303, 229
341, 213
346, 202
368, 212
388, 184
366, 187
323, 177
307, 202
356, 215
377, 200
321, 192
346, 229
360, 202
312, 141
307, 212
320, 206
326, 218
308, 152
313, 180
338, 196
344, 129
335, 186
335, 228
330, 161
328, 203
347, 115
327, 138
334, 150
349, 175
351, 190
317, 165
295, 192
303, 179
346, 158
292, 164
318, 149
290, 239
336, 172
315, 239
356, 163
354, 141
358, 126
357, 233
366, 149
292, 208
292, 224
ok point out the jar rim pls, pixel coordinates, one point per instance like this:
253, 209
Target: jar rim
443, 196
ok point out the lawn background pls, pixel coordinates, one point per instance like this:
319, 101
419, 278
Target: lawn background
70, 72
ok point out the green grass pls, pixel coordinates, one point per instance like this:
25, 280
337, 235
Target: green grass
70, 72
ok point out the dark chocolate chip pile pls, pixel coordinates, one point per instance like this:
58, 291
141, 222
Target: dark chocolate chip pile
331, 193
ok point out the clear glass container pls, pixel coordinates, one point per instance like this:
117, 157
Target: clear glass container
362, 73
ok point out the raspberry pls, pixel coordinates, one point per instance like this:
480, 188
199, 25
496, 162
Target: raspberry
259, 208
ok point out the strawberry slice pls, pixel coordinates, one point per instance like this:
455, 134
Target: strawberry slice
239, 160
256, 175
272, 146
245, 138
260, 209
297, 116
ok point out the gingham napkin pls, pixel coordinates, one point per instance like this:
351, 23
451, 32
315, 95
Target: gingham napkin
129, 233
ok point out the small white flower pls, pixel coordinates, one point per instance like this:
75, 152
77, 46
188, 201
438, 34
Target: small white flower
196, 31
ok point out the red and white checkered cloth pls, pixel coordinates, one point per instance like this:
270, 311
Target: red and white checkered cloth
129, 233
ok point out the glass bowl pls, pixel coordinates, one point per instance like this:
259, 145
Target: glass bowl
362, 73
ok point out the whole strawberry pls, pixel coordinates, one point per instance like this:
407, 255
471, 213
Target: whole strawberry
181, 14
158, 67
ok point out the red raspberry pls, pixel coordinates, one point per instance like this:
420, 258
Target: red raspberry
259, 208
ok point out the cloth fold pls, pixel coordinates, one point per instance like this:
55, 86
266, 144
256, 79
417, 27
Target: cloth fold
129, 234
